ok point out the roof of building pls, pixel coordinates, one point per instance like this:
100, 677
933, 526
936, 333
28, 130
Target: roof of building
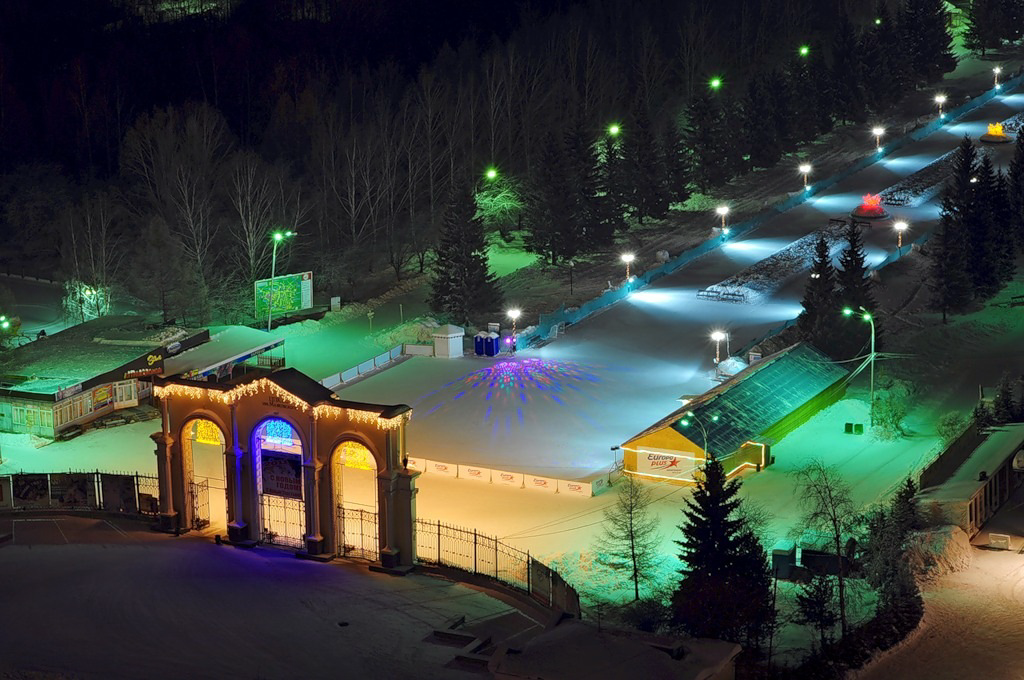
1002, 442
754, 399
81, 352
229, 345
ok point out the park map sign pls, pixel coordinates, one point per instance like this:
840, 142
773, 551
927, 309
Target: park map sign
292, 292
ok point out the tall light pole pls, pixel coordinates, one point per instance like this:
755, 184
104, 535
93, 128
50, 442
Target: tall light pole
278, 236
722, 211
995, 76
718, 336
491, 173
805, 170
940, 99
513, 314
614, 129
900, 227
878, 131
627, 258
866, 316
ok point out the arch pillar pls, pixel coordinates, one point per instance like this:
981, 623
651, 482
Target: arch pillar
311, 478
234, 454
168, 519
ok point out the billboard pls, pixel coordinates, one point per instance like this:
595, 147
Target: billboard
291, 293
665, 464
282, 474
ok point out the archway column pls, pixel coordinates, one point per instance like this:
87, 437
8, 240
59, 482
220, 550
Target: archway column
404, 513
238, 529
390, 553
311, 479
168, 517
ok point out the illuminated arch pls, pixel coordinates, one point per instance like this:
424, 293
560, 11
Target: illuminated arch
207, 501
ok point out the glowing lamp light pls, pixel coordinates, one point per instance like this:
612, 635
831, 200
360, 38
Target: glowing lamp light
878, 131
627, 258
805, 170
614, 130
995, 76
722, 210
514, 314
940, 99
718, 337
715, 83
5, 324
491, 173
900, 227
804, 50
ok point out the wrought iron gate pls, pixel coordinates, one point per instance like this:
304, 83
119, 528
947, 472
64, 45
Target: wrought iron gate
357, 533
284, 520
200, 492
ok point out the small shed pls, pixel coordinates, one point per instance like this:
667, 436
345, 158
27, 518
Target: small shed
448, 341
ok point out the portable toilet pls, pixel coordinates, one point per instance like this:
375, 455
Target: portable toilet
478, 343
492, 344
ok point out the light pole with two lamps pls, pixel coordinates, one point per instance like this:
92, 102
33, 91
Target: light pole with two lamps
723, 212
866, 316
278, 237
940, 99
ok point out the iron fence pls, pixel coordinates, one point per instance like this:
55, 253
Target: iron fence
284, 520
473, 552
357, 533
127, 493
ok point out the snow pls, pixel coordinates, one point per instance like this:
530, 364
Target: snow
126, 448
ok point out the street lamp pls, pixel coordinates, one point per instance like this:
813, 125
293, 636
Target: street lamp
804, 50
514, 315
878, 131
866, 316
995, 74
627, 258
718, 336
492, 173
900, 227
940, 99
715, 83
614, 130
805, 170
722, 211
278, 237
690, 416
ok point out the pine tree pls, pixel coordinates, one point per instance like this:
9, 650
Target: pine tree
817, 323
983, 25
646, 168
763, 141
824, 88
552, 229
725, 588
816, 606
906, 513
705, 133
874, 69
894, 58
676, 164
463, 285
805, 97
1003, 407
1015, 191
848, 75
613, 184
947, 273
783, 109
629, 541
924, 30
596, 231
980, 231
854, 290
1005, 232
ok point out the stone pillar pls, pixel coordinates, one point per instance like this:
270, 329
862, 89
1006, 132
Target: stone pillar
168, 520
404, 516
238, 529
311, 479
390, 553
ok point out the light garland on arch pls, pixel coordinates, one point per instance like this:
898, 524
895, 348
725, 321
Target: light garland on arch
251, 389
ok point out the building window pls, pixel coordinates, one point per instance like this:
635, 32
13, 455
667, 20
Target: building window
33, 416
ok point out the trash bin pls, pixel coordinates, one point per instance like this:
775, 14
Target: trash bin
478, 343
492, 344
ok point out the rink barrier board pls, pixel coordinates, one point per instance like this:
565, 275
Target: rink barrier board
516, 480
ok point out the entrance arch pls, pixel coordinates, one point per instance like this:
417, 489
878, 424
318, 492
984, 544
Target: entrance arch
277, 463
354, 480
205, 475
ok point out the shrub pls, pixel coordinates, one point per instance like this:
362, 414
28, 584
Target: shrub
951, 426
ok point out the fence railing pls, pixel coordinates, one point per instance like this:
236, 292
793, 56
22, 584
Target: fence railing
383, 359
122, 492
476, 553
562, 316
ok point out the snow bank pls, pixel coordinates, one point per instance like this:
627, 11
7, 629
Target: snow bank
935, 553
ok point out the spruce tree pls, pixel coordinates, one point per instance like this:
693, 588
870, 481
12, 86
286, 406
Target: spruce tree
463, 285
783, 109
854, 290
924, 29
874, 69
983, 25
1003, 407
804, 99
676, 164
596, 231
552, 229
705, 138
894, 58
646, 168
824, 87
763, 143
906, 513
947, 274
725, 588
847, 74
1015, 191
817, 323
1012, 24
981, 232
613, 184
1006, 233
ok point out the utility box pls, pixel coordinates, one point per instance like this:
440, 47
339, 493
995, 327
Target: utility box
448, 341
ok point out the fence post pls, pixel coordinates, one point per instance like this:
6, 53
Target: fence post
529, 584
474, 551
495, 557
438, 542
99, 490
138, 497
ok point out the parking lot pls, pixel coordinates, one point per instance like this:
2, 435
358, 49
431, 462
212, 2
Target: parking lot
64, 530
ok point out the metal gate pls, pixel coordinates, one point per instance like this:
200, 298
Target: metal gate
284, 520
357, 533
200, 492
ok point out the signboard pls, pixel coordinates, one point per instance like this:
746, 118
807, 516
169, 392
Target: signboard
102, 397
665, 464
438, 468
30, 491
474, 472
507, 478
119, 493
69, 391
574, 488
282, 474
541, 483
291, 292
151, 364
70, 490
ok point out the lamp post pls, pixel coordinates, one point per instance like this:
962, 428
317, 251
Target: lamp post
514, 315
878, 131
718, 336
278, 236
715, 83
866, 316
691, 417
572, 266
805, 170
627, 258
491, 173
723, 211
995, 76
900, 227
940, 99
614, 129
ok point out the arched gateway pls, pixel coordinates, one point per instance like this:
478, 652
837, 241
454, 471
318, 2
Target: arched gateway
290, 443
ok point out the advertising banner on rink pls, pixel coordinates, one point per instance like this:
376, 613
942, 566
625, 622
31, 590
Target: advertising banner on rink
664, 464
541, 483
574, 488
119, 493
474, 472
436, 467
513, 479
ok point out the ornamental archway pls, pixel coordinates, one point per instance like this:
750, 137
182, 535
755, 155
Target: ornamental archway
354, 482
205, 474
296, 426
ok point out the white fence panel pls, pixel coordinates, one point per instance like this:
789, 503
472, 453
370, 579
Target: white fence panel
418, 350
474, 472
507, 478
547, 484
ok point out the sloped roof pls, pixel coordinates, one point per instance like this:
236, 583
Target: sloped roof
754, 399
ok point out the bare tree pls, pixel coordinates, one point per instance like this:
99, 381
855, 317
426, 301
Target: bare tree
629, 542
92, 250
252, 192
827, 508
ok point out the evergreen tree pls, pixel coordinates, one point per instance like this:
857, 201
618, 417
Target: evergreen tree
646, 168
552, 229
906, 513
805, 97
613, 184
924, 29
947, 273
816, 606
874, 68
983, 25
894, 58
1003, 406
847, 74
823, 84
705, 138
676, 164
981, 232
1015, 191
1006, 233
590, 213
854, 290
1012, 13
780, 96
629, 541
763, 141
463, 285
725, 591
817, 323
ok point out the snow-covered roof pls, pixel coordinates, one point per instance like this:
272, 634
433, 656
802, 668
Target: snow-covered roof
1002, 442
229, 345
759, 396
448, 330
82, 352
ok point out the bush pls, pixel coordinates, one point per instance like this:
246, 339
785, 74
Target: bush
647, 614
951, 426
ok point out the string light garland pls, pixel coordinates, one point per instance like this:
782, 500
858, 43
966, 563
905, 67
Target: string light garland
251, 389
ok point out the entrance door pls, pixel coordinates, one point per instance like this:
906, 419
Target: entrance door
203, 449
354, 476
278, 456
